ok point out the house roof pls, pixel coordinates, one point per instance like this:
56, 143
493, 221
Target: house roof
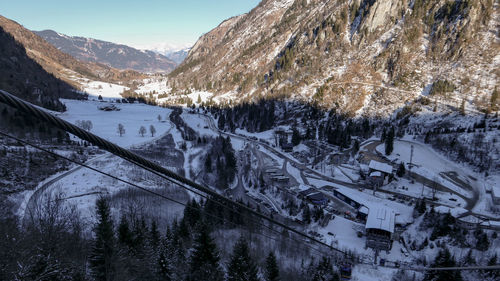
495, 190
376, 174
381, 218
318, 196
470, 219
363, 210
379, 166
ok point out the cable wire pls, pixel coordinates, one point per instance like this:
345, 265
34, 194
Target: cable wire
304, 243
29, 108
41, 114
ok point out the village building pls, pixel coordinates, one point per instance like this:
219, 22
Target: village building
378, 173
317, 198
379, 228
313, 196
283, 138
495, 194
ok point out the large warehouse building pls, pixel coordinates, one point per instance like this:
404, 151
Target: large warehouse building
380, 229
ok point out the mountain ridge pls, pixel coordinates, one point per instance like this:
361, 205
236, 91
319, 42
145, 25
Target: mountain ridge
115, 55
63, 65
312, 50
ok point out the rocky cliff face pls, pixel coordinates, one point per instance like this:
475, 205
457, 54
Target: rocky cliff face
361, 57
115, 55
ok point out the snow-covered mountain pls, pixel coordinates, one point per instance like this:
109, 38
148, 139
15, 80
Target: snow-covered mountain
175, 52
360, 57
112, 54
63, 65
178, 56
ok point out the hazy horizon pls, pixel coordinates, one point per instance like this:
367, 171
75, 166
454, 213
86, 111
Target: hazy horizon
140, 25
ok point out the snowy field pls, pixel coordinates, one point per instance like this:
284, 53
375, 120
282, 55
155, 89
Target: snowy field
428, 163
204, 97
159, 85
105, 123
82, 187
198, 123
106, 90
423, 156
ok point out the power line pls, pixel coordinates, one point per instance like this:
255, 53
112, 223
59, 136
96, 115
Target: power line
41, 114
304, 243
150, 166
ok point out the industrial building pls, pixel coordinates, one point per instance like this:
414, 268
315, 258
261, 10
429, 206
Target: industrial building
379, 228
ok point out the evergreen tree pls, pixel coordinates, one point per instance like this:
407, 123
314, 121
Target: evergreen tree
221, 122
241, 267
208, 163
165, 268
401, 170
296, 137
382, 138
154, 234
355, 146
493, 274
272, 272
324, 271
443, 259
103, 250
204, 259
482, 243
306, 214
192, 213
389, 142
125, 236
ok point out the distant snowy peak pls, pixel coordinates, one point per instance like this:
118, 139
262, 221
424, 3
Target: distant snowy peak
165, 48
174, 52
115, 55
178, 56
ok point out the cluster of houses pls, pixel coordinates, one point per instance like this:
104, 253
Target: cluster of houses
380, 223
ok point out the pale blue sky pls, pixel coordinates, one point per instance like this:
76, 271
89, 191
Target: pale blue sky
136, 23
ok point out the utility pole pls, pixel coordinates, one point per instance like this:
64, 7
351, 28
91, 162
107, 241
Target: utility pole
411, 164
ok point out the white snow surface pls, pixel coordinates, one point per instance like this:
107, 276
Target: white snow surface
427, 163
159, 85
204, 96
106, 90
105, 123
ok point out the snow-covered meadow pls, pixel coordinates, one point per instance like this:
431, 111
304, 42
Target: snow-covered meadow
132, 116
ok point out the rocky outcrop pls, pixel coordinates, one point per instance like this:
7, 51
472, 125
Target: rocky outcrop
381, 13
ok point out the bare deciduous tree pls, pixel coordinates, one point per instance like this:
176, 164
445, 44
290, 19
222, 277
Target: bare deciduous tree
121, 129
85, 124
142, 131
152, 130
